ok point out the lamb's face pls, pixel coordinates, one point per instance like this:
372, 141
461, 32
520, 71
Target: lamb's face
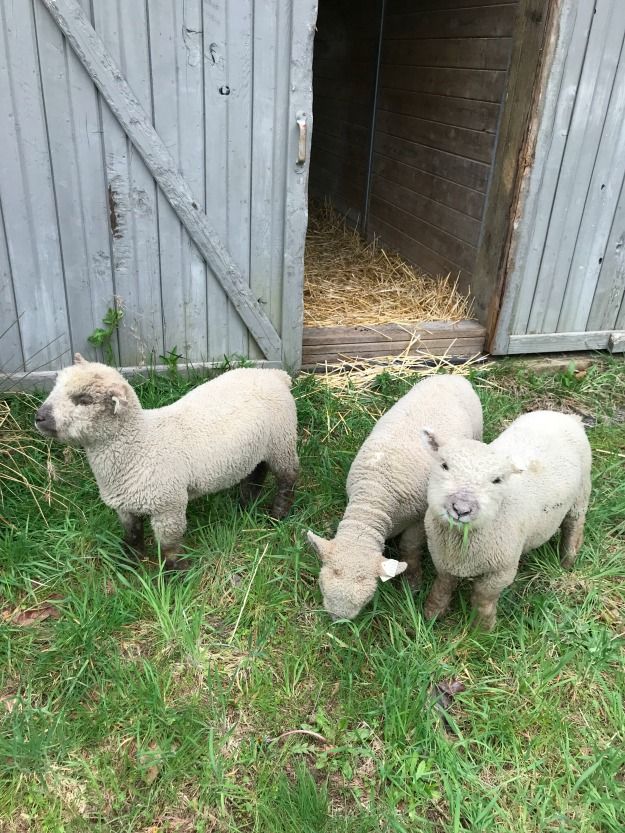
467, 481
346, 591
85, 405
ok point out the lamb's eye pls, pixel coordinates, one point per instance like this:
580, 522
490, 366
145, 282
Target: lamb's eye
444, 466
83, 399
497, 480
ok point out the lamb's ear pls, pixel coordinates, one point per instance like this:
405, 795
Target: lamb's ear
118, 395
389, 568
78, 359
429, 440
517, 465
319, 544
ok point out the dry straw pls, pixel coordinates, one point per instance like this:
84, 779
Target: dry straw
349, 281
357, 374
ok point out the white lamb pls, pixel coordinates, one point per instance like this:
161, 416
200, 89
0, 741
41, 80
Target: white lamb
152, 462
386, 488
489, 504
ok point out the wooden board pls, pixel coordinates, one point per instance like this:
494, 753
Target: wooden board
136, 123
477, 22
443, 109
331, 344
554, 342
30, 219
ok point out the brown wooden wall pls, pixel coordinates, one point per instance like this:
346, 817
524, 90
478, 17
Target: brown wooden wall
346, 47
443, 75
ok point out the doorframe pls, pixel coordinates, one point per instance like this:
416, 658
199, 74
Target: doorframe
533, 45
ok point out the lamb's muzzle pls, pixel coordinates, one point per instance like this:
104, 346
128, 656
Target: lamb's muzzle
44, 420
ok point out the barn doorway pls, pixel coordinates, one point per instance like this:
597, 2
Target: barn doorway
407, 101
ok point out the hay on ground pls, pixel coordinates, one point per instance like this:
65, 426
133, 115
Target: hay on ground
349, 281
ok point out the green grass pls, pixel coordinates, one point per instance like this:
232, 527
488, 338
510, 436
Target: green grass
150, 705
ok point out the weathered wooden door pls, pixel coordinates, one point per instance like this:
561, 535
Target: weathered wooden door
566, 286
154, 157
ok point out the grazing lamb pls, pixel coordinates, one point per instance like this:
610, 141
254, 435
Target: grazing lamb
386, 489
152, 462
489, 504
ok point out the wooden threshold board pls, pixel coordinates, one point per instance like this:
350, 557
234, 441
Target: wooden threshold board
369, 341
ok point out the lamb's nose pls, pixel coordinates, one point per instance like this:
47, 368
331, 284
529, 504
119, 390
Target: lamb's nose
41, 415
461, 508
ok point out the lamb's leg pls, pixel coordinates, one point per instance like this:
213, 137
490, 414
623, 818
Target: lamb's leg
440, 595
285, 495
572, 531
169, 528
134, 541
410, 547
251, 486
284, 464
486, 592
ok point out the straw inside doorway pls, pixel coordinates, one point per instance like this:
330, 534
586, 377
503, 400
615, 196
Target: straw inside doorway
350, 281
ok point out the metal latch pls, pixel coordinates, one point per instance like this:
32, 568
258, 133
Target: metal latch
302, 143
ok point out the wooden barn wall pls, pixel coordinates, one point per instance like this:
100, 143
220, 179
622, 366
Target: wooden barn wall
443, 75
346, 47
83, 224
566, 286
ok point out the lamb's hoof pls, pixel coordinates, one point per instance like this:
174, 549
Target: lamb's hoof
414, 583
433, 611
280, 509
176, 564
485, 623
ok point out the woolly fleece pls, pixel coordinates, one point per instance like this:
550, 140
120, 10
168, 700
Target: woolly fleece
152, 462
386, 489
515, 494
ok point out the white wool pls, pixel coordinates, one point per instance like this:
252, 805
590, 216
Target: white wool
386, 489
529, 482
151, 462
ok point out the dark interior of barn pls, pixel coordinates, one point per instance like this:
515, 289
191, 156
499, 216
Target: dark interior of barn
407, 98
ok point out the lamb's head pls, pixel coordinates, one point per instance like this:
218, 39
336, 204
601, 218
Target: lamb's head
467, 481
88, 404
348, 580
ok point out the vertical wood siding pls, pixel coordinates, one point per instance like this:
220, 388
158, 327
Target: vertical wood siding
346, 46
84, 226
443, 76
568, 278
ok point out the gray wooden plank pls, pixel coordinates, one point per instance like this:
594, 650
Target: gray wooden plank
555, 342
227, 142
272, 36
388, 348
463, 349
131, 193
11, 356
132, 116
30, 220
608, 173
302, 29
430, 330
589, 113
44, 380
177, 76
551, 130
76, 153
610, 288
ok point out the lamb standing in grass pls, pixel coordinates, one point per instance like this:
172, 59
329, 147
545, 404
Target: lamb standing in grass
510, 497
152, 462
386, 488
